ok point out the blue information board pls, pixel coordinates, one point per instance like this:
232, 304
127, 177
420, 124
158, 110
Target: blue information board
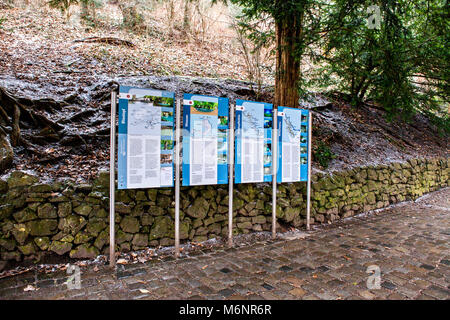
205, 140
253, 143
146, 138
292, 144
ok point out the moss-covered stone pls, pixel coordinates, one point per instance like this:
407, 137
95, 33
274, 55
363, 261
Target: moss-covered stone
21, 179
47, 211
162, 227
199, 208
42, 242
130, 224
5, 211
42, 227
72, 224
84, 251
140, 240
83, 210
102, 239
60, 247
8, 244
25, 215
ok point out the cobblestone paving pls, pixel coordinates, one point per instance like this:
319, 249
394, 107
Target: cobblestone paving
410, 244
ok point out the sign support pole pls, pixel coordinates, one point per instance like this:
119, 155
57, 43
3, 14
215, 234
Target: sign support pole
231, 176
177, 179
275, 170
112, 174
308, 188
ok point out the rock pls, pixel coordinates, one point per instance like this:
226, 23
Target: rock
20, 232
122, 237
42, 242
163, 201
83, 210
259, 220
60, 247
244, 225
95, 226
141, 196
130, 224
72, 224
290, 213
147, 219
25, 215
42, 227
64, 209
84, 251
156, 211
102, 239
8, 244
5, 211
13, 255
6, 153
3, 186
41, 188
82, 237
140, 240
166, 242
21, 179
162, 227
199, 209
121, 207
47, 211
185, 228
102, 181
101, 213
152, 193
214, 228
27, 249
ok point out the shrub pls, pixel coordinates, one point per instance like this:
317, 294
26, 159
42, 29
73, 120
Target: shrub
323, 155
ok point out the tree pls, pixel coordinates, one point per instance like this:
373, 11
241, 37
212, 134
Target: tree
403, 65
296, 23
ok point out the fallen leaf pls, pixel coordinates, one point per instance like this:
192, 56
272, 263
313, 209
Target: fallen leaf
204, 267
122, 261
144, 291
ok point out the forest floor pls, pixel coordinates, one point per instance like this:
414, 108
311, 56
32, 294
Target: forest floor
70, 82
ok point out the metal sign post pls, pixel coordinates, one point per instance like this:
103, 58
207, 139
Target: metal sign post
308, 187
112, 185
274, 171
231, 176
177, 179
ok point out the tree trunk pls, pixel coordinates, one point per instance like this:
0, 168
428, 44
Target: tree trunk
187, 16
288, 36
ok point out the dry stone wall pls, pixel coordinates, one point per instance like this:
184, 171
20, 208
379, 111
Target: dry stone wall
72, 219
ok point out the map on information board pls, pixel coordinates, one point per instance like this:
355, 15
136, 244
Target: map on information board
253, 143
292, 145
146, 138
205, 142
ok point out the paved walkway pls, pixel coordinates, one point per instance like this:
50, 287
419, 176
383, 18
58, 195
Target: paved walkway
410, 245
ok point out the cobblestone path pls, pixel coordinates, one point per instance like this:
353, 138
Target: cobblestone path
410, 244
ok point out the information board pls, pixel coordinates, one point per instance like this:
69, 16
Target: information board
205, 140
253, 143
292, 144
146, 138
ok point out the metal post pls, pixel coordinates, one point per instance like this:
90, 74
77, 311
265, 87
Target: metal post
231, 176
112, 185
308, 188
177, 179
274, 172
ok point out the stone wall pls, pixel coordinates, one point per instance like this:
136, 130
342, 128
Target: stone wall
70, 219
